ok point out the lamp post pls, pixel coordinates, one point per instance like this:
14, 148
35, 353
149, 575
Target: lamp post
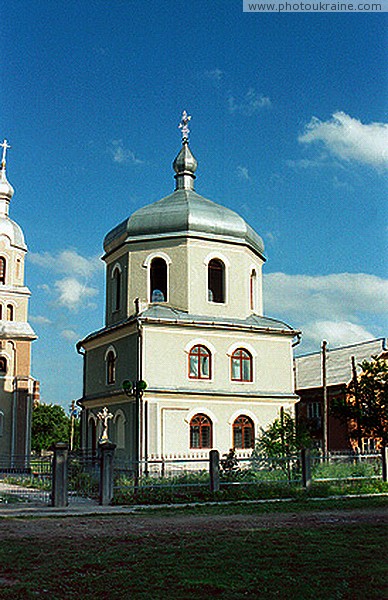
135, 389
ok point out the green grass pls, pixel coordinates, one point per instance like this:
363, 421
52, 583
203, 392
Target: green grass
342, 562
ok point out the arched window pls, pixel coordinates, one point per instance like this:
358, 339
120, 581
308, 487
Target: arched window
201, 432
158, 280
3, 268
3, 365
243, 433
199, 363
119, 431
1, 312
241, 365
92, 436
110, 367
10, 312
216, 280
116, 288
252, 289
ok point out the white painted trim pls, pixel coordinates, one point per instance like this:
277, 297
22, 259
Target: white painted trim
200, 342
118, 267
218, 255
156, 254
241, 412
110, 348
243, 346
203, 410
119, 413
147, 265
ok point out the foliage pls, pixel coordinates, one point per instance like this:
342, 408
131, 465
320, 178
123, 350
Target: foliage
50, 425
365, 407
282, 438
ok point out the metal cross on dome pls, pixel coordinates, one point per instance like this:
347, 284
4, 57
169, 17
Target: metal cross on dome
184, 125
5, 146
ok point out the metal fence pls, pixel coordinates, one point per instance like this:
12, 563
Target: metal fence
188, 477
25, 479
83, 478
61, 478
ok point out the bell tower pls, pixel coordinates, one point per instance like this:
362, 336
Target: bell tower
18, 389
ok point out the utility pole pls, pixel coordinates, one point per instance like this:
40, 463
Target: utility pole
73, 413
357, 399
325, 403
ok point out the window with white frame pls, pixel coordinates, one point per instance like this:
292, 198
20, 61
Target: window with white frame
216, 281
158, 280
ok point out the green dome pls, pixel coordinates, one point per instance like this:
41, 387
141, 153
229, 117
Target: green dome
184, 213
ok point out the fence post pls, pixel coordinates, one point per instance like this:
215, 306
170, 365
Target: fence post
384, 456
107, 451
59, 490
214, 470
306, 468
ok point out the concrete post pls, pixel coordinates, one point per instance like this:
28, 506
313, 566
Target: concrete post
306, 468
59, 495
107, 451
384, 456
214, 470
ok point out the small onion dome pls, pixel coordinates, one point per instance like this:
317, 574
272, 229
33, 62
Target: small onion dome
6, 189
185, 162
185, 165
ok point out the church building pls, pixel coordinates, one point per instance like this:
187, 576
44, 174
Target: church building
17, 388
184, 324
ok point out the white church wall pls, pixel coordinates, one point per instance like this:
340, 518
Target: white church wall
173, 417
166, 356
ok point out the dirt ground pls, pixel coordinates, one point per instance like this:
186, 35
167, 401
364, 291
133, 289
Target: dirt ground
122, 526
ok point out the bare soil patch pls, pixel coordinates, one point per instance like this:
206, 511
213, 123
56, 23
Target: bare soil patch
119, 527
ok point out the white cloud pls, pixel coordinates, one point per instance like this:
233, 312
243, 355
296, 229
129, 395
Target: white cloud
121, 154
243, 173
349, 139
68, 262
339, 333
73, 294
40, 320
70, 335
214, 75
251, 103
336, 307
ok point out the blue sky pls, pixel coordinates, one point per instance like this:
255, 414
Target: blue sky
287, 125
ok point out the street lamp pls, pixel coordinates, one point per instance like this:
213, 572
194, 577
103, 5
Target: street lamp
135, 389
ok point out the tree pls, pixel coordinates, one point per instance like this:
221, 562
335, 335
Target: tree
282, 437
365, 406
50, 424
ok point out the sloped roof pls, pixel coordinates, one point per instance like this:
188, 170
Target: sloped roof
308, 368
184, 213
158, 313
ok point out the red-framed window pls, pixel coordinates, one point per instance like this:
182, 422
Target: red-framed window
241, 365
201, 432
243, 433
199, 363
